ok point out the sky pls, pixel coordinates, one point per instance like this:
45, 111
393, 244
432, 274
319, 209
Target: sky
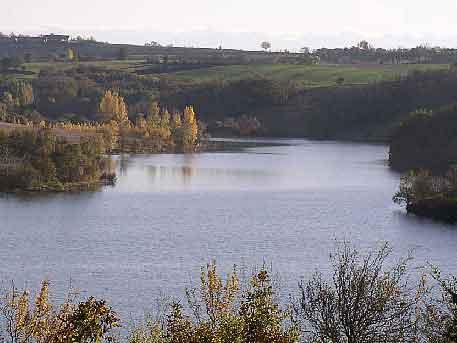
288, 23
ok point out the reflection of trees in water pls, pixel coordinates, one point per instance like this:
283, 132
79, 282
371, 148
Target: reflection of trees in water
159, 174
185, 174
188, 171
124, 163
164, 174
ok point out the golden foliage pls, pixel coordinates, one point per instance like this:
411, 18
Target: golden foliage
159, 131
113, 108
189, 129
86, 322
222, 313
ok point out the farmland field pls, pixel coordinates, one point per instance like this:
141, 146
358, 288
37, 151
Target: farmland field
36, 67
302, 75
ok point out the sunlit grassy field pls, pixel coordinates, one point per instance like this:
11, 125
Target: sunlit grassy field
302, 75
127, 65
307, 76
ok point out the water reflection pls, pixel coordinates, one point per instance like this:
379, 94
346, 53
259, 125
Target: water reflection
161, 174
188, 175
123, 162
194, 172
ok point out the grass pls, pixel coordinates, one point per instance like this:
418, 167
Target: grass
302, 75
127, 65
305, 76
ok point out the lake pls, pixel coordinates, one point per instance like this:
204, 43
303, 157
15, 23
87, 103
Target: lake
281, 205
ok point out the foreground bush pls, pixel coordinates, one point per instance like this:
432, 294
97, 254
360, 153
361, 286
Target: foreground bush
365, 301
222, 312
89, 321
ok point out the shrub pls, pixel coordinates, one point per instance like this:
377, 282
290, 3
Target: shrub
365, 301
221, 312
89, 321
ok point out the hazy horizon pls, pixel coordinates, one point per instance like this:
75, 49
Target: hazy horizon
238, 24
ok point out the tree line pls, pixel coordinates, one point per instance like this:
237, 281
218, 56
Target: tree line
364, 52
157, 129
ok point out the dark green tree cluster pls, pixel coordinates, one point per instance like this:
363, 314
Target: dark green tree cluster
16, 96
32, 159
427, 139
10, 63
363, 52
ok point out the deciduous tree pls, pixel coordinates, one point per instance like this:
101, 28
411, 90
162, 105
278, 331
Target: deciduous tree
189, 129
113, 108
266, 45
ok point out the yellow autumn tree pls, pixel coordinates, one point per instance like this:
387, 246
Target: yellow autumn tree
153, 116
140, 122
71, 56
176, 121
25, 94
165, 125
189, 129
113, 108
176, 129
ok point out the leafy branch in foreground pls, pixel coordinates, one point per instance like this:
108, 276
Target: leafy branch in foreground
90, 321
221, 312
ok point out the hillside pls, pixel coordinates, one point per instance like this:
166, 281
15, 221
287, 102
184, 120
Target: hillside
302, 75
274, 94
305, 75
89, 50
369, 111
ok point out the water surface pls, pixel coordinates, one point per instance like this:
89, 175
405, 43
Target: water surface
170, 214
